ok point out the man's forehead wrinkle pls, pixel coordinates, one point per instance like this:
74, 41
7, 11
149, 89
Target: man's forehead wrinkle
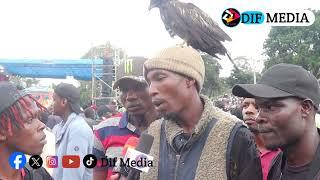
159, 72
156, 73
261, 101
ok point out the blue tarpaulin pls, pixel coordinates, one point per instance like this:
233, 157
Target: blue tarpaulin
80, 69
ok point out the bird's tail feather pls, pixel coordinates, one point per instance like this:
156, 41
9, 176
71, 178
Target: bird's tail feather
231, 60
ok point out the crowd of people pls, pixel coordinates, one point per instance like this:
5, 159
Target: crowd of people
263, 131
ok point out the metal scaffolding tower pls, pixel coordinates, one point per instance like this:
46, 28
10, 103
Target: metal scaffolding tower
98, 73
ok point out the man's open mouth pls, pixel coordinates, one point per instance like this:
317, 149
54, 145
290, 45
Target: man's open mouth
157, 102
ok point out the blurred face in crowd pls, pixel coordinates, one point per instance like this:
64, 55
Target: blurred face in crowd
136, 100
28, 138
113, 107
282, 122
249, 113
169, 91
59, 105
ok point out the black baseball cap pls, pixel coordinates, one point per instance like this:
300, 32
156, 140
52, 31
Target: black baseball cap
282, 80
71, 93
102, 110
9, 94
130, 82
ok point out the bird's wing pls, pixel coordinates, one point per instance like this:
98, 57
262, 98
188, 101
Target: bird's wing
195, 17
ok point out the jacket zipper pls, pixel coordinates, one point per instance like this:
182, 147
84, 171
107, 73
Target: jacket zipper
178, 157
177, 166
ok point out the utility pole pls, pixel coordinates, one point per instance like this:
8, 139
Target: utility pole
253, 66
93, 82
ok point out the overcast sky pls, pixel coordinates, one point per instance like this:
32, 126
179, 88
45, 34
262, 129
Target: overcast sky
56, 29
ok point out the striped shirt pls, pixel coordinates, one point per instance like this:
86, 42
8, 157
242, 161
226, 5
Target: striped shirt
110, 137
23, 173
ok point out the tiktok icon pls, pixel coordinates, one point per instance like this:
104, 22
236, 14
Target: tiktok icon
90, 161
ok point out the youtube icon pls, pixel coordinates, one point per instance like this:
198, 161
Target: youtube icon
71, 161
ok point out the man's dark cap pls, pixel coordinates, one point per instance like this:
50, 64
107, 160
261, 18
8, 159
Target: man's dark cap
9, 94
282, 80
130, 82
71, 93
102, 110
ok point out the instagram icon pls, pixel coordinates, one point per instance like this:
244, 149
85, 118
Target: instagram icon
52, 161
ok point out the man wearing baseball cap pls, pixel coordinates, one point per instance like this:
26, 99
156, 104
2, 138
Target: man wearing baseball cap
73, 134
112, 133
288, 98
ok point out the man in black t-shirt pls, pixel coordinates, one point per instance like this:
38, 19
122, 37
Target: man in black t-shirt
288, 98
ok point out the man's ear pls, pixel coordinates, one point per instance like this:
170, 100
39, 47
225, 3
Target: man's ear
306, 107
190, 82
64, 101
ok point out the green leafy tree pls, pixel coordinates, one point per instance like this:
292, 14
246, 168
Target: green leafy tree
240, 77
23, 82
31, 81
243, 75
213, 85
85, 93
295, 45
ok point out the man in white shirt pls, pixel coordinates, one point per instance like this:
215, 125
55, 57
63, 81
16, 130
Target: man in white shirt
73, 134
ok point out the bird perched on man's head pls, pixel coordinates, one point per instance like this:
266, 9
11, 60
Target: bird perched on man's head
192, 25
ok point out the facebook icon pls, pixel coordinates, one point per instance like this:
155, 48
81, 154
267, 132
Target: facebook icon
17, 160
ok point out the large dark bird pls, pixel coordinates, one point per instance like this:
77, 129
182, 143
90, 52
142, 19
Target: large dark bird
192, 25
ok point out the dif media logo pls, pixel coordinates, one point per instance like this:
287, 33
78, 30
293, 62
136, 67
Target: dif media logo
17, 160
231, 17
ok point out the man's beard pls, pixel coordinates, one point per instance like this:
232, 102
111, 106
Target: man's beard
138, 120
253, 130
172, 116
